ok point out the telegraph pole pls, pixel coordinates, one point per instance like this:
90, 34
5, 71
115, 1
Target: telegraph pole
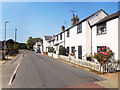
5, 40
15, 34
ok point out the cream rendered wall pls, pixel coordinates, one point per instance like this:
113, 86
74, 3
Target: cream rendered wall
110, 39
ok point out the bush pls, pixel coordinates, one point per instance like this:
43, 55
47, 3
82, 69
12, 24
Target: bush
103, 55
50, 49
62, 51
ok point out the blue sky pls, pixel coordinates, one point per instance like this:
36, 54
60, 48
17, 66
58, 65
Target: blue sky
37, 19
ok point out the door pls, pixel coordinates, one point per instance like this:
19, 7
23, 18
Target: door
79, 52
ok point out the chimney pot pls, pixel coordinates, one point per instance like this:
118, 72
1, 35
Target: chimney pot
73, 15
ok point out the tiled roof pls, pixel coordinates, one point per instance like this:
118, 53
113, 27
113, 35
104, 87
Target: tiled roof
109, 17
48, 37
84, 20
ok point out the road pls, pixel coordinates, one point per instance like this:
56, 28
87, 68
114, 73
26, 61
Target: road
40, 71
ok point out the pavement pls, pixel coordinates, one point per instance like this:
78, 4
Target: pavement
112, 80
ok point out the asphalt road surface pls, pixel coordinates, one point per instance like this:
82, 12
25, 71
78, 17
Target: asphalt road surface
40, 71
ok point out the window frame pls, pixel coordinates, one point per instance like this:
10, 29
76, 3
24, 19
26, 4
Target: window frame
79, 28
57, 37
100, 48
101, 29
73, 51
60, 36
68, 33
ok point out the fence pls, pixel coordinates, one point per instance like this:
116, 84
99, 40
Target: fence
53, 55
111, 67
108, 67
91, 65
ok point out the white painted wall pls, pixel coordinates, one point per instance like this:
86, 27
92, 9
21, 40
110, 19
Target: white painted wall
76, 39
110, 39
82, 39
45, 44
119, 38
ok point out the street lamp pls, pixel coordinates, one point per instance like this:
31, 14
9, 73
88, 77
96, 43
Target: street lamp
5, 40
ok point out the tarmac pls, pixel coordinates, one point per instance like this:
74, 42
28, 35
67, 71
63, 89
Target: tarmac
113, 79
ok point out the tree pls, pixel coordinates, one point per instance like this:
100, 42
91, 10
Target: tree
31, 41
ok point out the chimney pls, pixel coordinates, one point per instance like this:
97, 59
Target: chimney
62, 28
77, 19
74, 20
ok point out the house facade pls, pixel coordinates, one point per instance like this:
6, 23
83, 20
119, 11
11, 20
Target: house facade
46, 43
106, 33
38, 46
81, 38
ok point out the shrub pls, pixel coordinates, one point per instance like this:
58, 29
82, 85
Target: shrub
62, 51
50, 49
103, 55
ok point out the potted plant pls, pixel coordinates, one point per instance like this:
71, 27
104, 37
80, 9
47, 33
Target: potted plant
73, 55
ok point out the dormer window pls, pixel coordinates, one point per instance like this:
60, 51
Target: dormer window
101, 29
79, 28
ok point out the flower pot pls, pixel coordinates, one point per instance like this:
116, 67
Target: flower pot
88, 58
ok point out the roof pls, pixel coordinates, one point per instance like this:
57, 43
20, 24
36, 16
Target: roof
109, 17
48, 37
52, 39
84, 20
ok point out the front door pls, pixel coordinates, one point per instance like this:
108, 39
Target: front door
79, 52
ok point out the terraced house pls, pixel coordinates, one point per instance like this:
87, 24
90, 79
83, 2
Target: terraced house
86, 36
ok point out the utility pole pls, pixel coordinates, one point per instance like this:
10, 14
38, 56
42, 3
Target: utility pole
15, 34
5, 40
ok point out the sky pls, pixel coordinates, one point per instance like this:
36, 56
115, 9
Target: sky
38, 19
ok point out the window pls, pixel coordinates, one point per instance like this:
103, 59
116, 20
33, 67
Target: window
68, 50
79, 28
61, 36
73, 50
68, 33
57, 37
100, 47
101, 29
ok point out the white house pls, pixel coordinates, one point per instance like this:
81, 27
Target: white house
77, 38
46, 43
106, 32
38, 47
82, 39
